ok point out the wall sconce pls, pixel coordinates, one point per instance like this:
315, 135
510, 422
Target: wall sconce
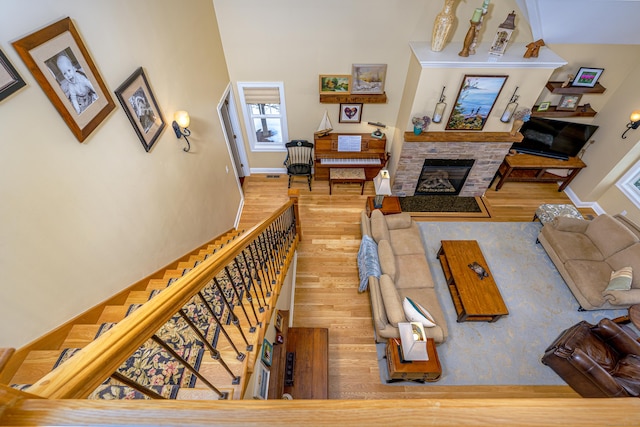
180, 125
382, 184
633, 124
440, 106
511, 108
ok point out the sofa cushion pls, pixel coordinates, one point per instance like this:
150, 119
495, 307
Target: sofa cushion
628, 257
392, 301
377, 305
414, 312
399, 220
379, 229
568, 245
413, 272
406, 240
591, 277
387, 259
620, 280
609, 235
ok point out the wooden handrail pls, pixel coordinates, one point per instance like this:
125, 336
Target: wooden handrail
82, 374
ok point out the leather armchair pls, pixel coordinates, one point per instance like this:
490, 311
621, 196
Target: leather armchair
597, 361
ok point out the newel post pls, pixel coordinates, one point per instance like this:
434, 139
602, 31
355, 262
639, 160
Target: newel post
294, 196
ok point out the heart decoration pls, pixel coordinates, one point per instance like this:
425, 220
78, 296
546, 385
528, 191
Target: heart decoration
350, 112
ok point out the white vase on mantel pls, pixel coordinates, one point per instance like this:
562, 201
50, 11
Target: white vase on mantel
442, 26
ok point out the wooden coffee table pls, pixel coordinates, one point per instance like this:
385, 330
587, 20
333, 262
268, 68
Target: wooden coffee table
475, 296
414, 370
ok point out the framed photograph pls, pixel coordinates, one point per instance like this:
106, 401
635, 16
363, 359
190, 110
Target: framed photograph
279, 321
267, 352
261, 382
368, 78
10, 80
62, 66
476, 98
140, 105
587, 77
350, 113
568, 102
340, 83
544, 106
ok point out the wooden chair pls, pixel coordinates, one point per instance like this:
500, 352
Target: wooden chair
299, 159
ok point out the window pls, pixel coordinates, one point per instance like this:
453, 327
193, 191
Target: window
265, 115
629, 184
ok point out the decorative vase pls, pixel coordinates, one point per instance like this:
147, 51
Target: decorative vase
515, 128
442, 26
417, 130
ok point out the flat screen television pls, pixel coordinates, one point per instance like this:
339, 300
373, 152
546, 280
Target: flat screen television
553, 138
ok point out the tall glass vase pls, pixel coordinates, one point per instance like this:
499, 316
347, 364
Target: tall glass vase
442, 26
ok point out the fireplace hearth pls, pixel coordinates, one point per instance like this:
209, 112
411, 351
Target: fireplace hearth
443, 176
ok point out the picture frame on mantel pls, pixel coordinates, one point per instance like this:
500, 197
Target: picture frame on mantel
62, 66
476, 98
10, 80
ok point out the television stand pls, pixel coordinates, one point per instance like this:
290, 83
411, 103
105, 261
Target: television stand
531, 168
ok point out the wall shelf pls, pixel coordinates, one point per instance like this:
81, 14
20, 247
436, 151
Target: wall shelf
330, 98
556, 87
581, 111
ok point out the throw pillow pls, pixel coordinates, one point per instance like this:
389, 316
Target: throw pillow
414, 312
620, 280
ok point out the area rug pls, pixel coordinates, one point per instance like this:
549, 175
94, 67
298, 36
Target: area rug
443, 205
540, 306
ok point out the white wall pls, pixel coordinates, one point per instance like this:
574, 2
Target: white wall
79, 222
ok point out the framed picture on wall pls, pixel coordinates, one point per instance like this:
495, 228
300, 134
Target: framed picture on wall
476, 98
62, 66
587, 77
140, 105
10, 80
335, 83
267, 352
368, 78
568, 102
261, 382
350, 113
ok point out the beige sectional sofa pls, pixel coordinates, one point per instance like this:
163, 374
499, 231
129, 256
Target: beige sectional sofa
587, 252
405, 273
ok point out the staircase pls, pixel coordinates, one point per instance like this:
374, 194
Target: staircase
194, 333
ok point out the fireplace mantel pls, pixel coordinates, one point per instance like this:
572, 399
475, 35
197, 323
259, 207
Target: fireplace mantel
453, 136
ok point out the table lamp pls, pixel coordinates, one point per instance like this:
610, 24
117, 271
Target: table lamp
382, 184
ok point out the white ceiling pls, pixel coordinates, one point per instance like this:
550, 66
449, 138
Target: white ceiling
583, 21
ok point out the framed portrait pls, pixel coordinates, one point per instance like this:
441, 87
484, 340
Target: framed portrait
261, 382
267, 352
569, 102
62, 66
10, 80
368, 78
476, 98
279, 321
340, 83
587, 77
140, 105
544, 106
350, 113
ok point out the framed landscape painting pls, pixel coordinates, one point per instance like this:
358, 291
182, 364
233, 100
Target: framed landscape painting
475, 101
368, 78
339, 83
10, 80
141, 108
62, 66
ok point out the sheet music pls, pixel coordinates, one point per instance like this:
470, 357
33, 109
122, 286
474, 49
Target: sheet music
349, 142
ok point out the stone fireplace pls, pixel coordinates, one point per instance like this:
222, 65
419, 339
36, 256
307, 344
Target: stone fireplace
442, 177
484, 150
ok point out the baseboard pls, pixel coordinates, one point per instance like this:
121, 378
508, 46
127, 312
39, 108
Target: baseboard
580, 204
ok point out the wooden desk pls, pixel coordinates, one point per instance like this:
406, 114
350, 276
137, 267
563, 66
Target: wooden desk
474, 297
390, 205
530, 168
311, 367
416, 370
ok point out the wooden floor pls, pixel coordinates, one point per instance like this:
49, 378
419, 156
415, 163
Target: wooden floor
327, 279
